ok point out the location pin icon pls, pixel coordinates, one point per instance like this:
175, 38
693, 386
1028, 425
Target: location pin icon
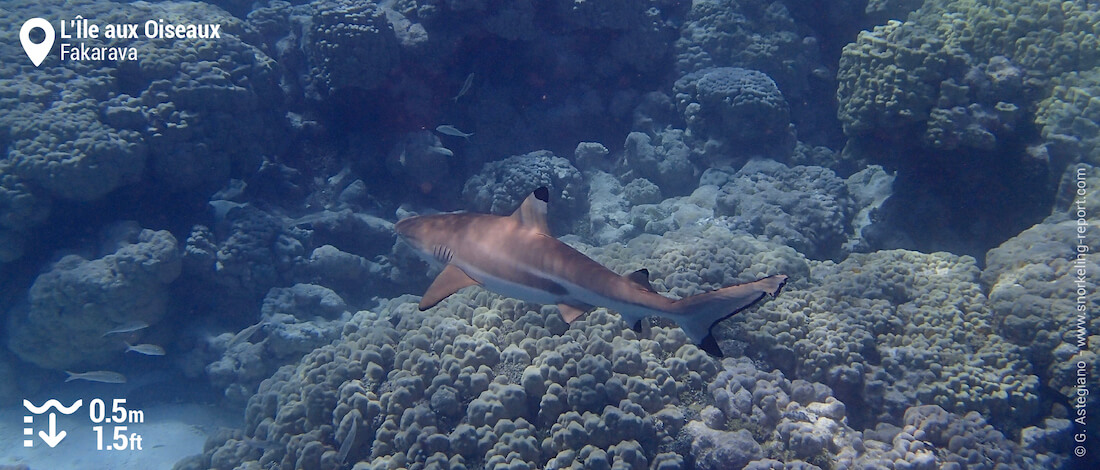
37, 52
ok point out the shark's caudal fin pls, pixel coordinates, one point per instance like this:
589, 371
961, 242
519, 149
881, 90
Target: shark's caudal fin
700, 312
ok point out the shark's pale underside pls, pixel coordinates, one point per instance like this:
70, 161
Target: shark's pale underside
516, 256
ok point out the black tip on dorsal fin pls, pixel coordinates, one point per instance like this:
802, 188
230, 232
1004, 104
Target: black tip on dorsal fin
710, 346
542, 194
641, 276
532, 212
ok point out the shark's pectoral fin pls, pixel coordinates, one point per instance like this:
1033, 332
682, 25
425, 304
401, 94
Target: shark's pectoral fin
570, 313
641, 276
532, 212
446, 283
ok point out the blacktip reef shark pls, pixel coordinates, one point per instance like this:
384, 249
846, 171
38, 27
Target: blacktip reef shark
516, 256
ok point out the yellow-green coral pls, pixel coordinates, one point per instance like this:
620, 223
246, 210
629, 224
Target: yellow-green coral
900, 73
1068, 117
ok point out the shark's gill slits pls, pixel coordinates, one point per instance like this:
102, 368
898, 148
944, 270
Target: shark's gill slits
442, 254
515, 256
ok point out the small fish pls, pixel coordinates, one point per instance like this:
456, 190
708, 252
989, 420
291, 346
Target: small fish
259, 443
146, 349
442, 150
451, 130
127, 328
465, 87
349, 440
244, 335
104, 376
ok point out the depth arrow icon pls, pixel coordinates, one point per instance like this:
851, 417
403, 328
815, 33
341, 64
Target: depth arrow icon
54, 437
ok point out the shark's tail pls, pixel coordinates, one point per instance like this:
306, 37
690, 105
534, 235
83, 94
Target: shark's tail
698, 313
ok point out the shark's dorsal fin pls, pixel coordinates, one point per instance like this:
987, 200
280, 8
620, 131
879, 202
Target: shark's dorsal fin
641, 276
532, 212
446, 283
569, 313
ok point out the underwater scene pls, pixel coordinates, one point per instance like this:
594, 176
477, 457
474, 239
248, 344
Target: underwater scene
549, 234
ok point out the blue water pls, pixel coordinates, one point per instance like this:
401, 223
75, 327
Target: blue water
198, 199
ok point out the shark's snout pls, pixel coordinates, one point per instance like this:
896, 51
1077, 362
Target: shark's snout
406, 227
414, 230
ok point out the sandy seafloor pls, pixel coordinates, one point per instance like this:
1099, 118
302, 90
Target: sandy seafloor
170, 432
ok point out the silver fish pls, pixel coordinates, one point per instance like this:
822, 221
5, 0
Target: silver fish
146, 349
259, 443
128, 328
349, 440
244, 335
451, 130
442, 151
104, 376
465, 87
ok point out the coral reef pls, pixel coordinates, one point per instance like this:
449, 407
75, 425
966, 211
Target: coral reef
892, 328
1028, 277
663, 159
755, 35
731, 107
807, 208
934, 438
488, 381
294, 321
80, 130
962, 71
444, 390
78, 157
351, 44
249, 253
68, 310
502, 185
422, 159
1068, 117
889, 77
276, 157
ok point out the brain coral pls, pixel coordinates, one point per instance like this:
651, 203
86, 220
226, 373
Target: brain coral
893, 328
805, 207
295, 320
752, 34
351, 45
1031, 278
78, 157
485, 381
960, 71
79, 130
502, 185
663, 158
1068, 117
890, 77
735, 106
71, 306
